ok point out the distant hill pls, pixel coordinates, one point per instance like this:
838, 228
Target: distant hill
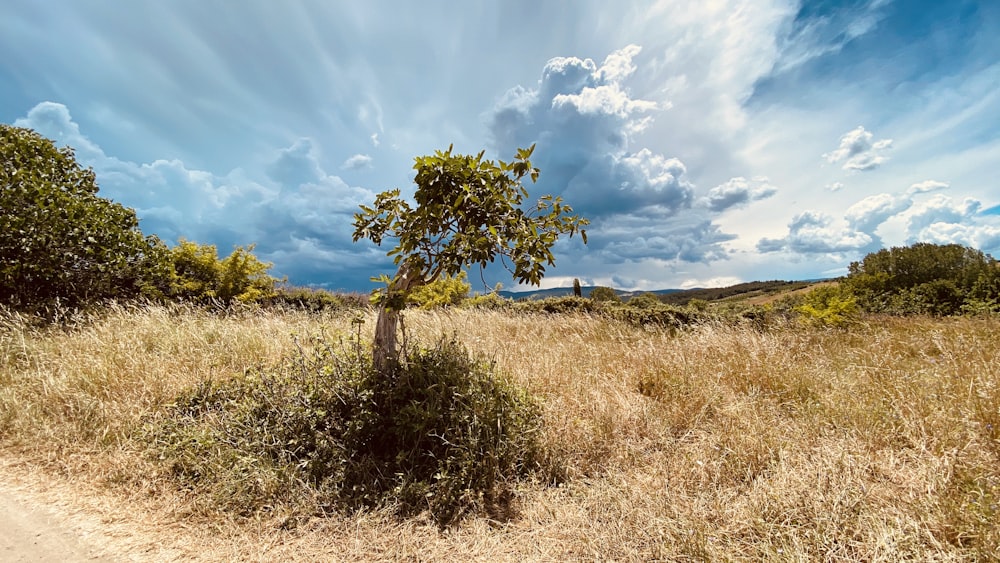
748, 290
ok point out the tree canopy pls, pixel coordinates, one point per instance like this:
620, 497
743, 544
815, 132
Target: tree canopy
469, 211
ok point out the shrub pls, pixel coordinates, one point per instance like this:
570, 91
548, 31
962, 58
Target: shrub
443, 292
315, 300
62, 244
200, 276
601, 293
324, 431
828, 305
492, 301
645, 301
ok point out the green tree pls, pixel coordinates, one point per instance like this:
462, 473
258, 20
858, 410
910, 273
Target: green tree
468, 211
59, 241
601, 293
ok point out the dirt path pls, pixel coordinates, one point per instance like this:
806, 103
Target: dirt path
31, 532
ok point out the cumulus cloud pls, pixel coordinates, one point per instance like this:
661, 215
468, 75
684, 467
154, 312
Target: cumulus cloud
983, 237
738, 192
941, 209
811, 232
835, 187
583, 120
357, 162
938, 219
858, 151
869, 213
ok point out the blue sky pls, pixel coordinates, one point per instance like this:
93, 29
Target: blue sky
708, 142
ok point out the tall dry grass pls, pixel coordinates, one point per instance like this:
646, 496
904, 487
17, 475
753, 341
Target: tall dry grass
880, 443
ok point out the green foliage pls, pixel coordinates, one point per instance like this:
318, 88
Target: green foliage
61, 243
245, 278
312, 299
921, 279
829, 305
325, 431
197, 270
645, 301
698, 305
664, 316
200, 276
443, 292
469, 211
984, 297
601, 293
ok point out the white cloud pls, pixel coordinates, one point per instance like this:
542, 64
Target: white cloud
858, 151
811, 232
926, 186
584, 120
867, 214
738, 192
983, 237
835, 187
357, 162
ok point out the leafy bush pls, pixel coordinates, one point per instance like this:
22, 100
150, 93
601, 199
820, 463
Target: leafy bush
492, 301
315, 300
200, 276
828, 305
326, 432
645, 301
61, 243
601, 293
443, 292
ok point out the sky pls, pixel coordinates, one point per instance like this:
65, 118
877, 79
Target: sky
709, 142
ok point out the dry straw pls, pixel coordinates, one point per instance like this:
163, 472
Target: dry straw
878, 443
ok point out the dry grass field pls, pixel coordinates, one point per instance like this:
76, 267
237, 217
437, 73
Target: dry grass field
720, 443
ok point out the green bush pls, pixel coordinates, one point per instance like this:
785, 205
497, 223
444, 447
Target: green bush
492, 301
923, 279
645, 301
828, 305
601, 293
200, 276
61, 244
443, 292
315, 300
325, 432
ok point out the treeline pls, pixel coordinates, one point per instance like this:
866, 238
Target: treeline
925, 278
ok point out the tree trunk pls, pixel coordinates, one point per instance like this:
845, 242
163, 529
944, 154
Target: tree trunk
385, 350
